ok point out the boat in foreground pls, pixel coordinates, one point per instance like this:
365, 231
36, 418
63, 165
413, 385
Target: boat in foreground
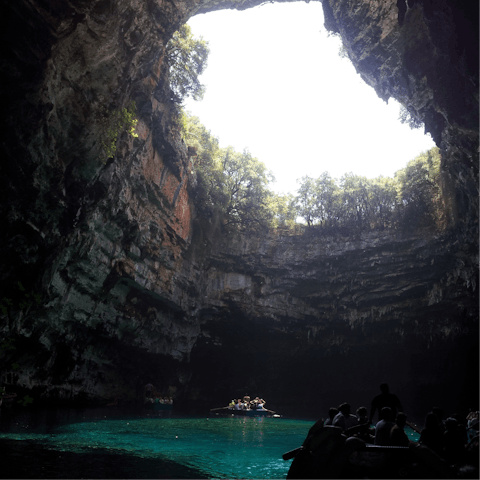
327, 453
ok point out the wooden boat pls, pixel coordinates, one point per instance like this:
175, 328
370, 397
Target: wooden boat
326, 453
244, 413
160, 407
250, 413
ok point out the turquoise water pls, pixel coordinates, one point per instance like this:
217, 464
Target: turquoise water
222, 447
215, 447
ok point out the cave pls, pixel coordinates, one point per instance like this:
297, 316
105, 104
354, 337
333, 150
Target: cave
130, 288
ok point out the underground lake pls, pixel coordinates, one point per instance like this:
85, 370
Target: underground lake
96, 443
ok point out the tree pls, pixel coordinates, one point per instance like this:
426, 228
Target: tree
406, 116
187, 59
419, 190
307, 200
383, 201
112, 123
232, 188
284, 209
356, 204
209, 196
327, 193
245, 187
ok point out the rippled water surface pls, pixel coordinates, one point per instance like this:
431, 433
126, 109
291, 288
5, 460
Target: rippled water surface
102, 446
214, 447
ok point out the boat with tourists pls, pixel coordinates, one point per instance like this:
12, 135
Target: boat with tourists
245, 413
246, 408
327, 452
156, 399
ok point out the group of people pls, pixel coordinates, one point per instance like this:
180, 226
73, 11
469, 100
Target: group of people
157, 398
450, 438
246, 403
152, 396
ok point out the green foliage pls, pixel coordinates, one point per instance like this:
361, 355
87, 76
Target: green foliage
412, 198
406, 116
245, 188
419, 191
284, 209
232, 187
25, 400
233, 191
112, 124
318, 200
306, 199
187, 59
355, 199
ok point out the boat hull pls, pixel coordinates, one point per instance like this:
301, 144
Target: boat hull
162, 407
249, 413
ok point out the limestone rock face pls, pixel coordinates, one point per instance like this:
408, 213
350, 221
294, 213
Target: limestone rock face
132, 287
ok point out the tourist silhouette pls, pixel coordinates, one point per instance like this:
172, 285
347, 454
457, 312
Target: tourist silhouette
385, 399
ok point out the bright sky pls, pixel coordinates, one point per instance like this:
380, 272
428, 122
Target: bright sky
276, 85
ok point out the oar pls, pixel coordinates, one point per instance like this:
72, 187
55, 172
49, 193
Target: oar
413, 427
271, 411
221, 408
356, 429
291, 453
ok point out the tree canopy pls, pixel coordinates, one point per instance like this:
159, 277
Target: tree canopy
412, 198
187, 59
406, 116
231, 186
234, 189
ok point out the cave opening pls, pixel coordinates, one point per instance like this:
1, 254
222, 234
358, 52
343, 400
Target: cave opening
278, 84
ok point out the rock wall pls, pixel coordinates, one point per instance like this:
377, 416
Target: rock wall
135, 287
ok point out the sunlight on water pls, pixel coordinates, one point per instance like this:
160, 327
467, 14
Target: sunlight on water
219, 447
229, 447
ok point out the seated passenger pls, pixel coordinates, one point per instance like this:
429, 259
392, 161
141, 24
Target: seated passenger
439, 413
344, 419
453, 441
432, 435
472, 424
383, 427
238, 405
260, 404
332, 412
362, 416
398, 437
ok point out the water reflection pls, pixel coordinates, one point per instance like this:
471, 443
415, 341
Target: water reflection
214, 447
